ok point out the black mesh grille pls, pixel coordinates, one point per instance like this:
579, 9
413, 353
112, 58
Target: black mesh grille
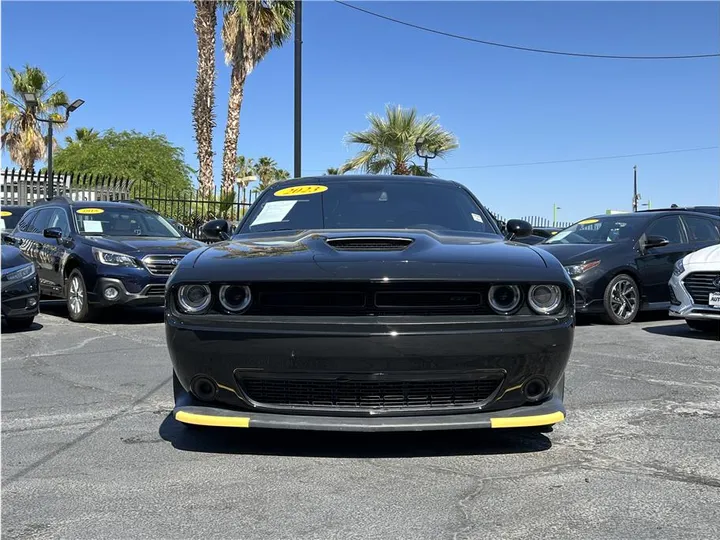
700, 285
359, 395
155, 290
338, 298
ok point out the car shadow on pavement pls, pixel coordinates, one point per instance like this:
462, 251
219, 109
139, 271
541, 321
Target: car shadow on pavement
336, 444
681, 330
34, 327
115, 315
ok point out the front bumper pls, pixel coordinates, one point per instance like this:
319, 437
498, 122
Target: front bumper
150, 293
189, 411
682, 305
376, 350
21, 299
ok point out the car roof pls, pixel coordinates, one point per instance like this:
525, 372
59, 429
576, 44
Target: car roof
94, 204
647, 214
15, 207
363, 177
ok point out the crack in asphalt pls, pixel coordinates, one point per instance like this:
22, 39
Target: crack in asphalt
65, 447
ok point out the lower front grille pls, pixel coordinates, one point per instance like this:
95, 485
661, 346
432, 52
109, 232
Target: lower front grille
700, 284
369, 395
155, 290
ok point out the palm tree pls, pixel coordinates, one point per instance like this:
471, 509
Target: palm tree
244, 173
389, 143
82, 135
266, 172
22, 135
203, 110
332, 171
250, 30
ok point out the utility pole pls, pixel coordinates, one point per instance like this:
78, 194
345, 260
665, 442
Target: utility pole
636, 195
555, 209
298, 88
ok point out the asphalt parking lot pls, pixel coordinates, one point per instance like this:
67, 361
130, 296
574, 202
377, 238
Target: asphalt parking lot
89, 451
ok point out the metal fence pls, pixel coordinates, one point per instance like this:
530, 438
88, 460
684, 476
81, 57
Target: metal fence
535, 221
191, 208
26, 187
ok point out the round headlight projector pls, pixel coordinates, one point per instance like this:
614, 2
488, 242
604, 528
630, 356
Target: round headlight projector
194, 298
235, 298
545, 299
504, 299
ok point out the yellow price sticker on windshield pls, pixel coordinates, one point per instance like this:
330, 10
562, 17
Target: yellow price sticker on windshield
90, 211
5, 213
300, 190
588, 221
553, 233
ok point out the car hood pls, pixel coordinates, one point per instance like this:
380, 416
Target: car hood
706, 256
12, 257
310, 255
133, 245
576, 253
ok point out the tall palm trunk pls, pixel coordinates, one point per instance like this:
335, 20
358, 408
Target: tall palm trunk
232, 128
204, 104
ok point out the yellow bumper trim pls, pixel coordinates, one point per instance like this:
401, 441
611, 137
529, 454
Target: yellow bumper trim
207, 420
527, 421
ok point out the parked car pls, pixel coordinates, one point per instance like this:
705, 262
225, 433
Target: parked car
712, 210
20, 288
9, 217
369, 303
695, 289
100, 254
539, 234
621, 263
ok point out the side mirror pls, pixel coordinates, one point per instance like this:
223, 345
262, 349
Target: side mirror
656, 241
518, 228
53, 232
217, 229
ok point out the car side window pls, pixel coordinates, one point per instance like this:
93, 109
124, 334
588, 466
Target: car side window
668, 227
40, 223
26, 221
60, 220
702, 230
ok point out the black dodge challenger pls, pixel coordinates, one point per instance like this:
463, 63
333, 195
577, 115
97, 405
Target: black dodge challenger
369, 303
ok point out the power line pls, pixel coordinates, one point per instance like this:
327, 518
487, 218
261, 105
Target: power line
526, 49
575, 160
601, 158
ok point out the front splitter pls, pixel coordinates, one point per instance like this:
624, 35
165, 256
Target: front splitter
547, 413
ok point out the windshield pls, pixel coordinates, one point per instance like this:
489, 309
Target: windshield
9, 218
122, 222
369, 204
604, 230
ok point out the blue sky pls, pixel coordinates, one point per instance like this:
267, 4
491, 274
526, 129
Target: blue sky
134, 64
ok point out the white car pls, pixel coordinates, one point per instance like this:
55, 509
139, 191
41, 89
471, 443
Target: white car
695, 289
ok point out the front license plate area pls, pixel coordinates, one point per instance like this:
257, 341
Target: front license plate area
714, 300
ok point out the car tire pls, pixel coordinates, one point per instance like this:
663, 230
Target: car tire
621, 300
704, 326
78, 306
18, 324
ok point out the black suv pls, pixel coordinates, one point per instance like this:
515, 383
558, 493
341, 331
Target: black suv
97, 254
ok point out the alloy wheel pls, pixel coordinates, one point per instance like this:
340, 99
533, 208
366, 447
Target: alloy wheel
623, 299
76, 296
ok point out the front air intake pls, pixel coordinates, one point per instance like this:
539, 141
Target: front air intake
373, 243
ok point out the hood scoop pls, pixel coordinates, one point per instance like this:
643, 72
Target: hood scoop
370, 243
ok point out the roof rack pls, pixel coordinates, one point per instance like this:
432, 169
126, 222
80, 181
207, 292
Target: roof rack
55, 200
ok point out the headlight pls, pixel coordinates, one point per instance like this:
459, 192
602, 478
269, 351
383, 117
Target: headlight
194, 298
235, 298
679, 268
504, 299
577, 269
545, 299
112, 258
16, 274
